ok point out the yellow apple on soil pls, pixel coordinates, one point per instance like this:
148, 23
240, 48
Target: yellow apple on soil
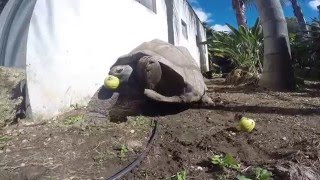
246, 124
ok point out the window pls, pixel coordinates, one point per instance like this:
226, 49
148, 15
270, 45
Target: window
200, 45
197, 40
184, 29
150, 4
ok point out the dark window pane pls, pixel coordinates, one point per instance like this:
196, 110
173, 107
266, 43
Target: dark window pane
184, 29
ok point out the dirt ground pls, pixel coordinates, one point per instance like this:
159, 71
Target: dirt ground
287, 133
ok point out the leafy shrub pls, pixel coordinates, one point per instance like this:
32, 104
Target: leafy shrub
244, 46
305, 48
313, 38
299, 51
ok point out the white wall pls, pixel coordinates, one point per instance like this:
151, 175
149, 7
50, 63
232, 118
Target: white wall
73, 43
182, 11
205, 53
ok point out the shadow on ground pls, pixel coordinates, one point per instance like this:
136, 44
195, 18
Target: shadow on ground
267, 110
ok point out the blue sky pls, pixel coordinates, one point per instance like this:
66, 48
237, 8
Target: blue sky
219, 12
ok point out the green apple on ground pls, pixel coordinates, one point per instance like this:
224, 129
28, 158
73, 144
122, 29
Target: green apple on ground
246, 124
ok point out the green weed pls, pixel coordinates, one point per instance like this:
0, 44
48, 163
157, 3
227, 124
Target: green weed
225, 162
242, 177
77, 106
73, 119
123, 152
181, 175
4, 139
262, 174
141, 121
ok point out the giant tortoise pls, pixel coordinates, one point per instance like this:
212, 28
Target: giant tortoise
163, 72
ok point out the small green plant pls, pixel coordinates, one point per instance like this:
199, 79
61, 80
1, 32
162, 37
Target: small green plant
73, 119
225, 162
181, 175
141, 121
242, 177
123, 151
75, 106
4, 139
262, 174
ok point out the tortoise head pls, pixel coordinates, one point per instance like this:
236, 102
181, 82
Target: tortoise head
123, 72
129, 86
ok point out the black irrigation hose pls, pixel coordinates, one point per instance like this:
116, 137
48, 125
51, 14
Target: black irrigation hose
139, 159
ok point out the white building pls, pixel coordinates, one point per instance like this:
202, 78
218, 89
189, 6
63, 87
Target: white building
68, 46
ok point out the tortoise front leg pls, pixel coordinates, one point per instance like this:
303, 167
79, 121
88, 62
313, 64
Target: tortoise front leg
161, 98
149, 72
184, 98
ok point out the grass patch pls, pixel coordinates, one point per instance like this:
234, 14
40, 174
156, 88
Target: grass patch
141, 121
4, 140
72, 120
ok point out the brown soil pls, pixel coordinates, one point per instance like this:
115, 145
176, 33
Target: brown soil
287, 132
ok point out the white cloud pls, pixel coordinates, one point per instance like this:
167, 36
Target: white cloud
203, 16
314, 3
219, 27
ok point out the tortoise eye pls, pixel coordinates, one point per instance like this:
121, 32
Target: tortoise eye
119, 70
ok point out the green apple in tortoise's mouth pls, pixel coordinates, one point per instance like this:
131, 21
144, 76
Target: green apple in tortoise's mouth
111, 82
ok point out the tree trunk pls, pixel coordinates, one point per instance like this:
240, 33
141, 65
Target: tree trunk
239, 7
277, 71
299, 15
2, 4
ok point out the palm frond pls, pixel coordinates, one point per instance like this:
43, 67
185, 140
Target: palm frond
244, 46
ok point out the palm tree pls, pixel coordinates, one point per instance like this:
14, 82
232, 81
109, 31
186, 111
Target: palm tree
298, 14
277, 71
297, 11
2, 4
240, 9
